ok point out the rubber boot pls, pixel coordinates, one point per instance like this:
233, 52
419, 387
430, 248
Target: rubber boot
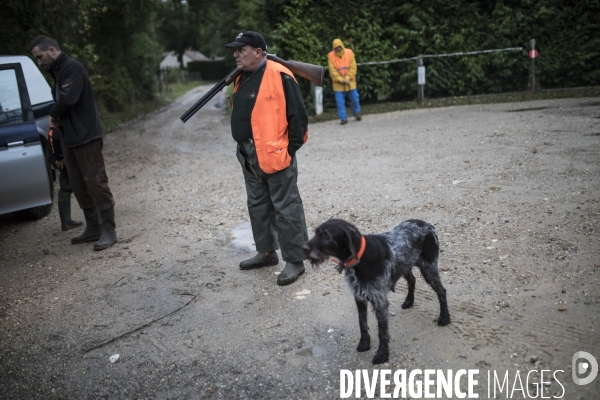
260, 260
109, 234
64, 211
290, 273
93, 227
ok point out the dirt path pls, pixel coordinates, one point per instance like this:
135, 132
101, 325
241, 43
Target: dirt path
513, 190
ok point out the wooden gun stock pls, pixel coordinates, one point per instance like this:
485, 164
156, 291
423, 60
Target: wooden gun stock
311, 72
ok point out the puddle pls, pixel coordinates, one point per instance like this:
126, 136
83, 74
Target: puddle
316, 351
319, 351
241, 237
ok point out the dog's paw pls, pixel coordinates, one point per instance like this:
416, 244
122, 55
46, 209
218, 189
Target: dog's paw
407, 304
363, 345
444, 320
381, 358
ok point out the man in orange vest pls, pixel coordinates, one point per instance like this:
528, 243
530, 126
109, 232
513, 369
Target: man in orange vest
269, 123
342, 69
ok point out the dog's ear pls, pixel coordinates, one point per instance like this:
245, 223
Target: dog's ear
351, 234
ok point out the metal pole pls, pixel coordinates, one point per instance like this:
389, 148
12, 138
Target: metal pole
422, 92
532, 42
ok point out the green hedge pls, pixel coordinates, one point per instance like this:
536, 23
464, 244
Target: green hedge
566, 34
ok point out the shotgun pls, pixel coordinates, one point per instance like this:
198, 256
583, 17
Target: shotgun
311, 72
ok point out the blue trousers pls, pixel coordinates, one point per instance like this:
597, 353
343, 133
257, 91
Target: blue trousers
341, 103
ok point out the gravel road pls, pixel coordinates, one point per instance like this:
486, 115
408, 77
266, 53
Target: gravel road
513, 190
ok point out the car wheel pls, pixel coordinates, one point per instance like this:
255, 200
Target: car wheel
40, 211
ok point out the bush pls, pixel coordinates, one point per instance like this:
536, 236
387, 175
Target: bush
380, 30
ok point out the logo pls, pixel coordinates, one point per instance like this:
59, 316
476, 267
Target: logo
270, 98
580, 368
240, 35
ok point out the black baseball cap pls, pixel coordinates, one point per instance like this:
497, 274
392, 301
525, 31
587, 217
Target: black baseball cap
249, 38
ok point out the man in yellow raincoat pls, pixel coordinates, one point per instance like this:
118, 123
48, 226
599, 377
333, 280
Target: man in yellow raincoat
342, 69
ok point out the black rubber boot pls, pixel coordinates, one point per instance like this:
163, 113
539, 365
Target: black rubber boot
260, 260
290, 273
109, 233
64, 211
93, 227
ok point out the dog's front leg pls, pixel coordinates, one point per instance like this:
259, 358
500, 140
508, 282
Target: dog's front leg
365, 338
383, 352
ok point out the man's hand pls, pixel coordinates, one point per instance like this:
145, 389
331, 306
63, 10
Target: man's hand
60, 164
56, 121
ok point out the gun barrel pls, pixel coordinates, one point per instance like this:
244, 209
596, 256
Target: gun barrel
202, 102
210, 94
311, 72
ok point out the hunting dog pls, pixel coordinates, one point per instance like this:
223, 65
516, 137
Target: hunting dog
374, 263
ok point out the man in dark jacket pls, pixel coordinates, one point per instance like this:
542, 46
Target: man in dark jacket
75, 112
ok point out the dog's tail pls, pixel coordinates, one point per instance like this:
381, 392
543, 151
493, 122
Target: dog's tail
430, 249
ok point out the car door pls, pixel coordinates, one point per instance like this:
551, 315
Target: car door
24, 180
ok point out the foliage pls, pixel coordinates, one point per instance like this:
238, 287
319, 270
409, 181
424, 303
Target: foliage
177, 27
566, 35
128, 53
220, 22
114, 39
120, 41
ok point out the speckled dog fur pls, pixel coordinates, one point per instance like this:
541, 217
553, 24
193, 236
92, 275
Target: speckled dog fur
387, 257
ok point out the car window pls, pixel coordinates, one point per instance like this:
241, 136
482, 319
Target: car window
37, 86
10, 101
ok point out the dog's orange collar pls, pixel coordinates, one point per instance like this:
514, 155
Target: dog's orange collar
351, 262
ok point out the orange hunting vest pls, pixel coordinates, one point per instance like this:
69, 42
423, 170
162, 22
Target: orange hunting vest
269, 120
342, 65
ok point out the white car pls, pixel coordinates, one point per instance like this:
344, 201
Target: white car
26, 179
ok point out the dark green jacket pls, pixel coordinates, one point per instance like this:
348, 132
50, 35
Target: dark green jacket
245, 98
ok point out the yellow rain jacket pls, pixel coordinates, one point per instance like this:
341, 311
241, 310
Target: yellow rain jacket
342, 66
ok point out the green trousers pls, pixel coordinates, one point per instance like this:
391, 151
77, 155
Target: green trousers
274, 205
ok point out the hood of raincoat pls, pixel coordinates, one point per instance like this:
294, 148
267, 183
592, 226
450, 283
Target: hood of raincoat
338, 43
